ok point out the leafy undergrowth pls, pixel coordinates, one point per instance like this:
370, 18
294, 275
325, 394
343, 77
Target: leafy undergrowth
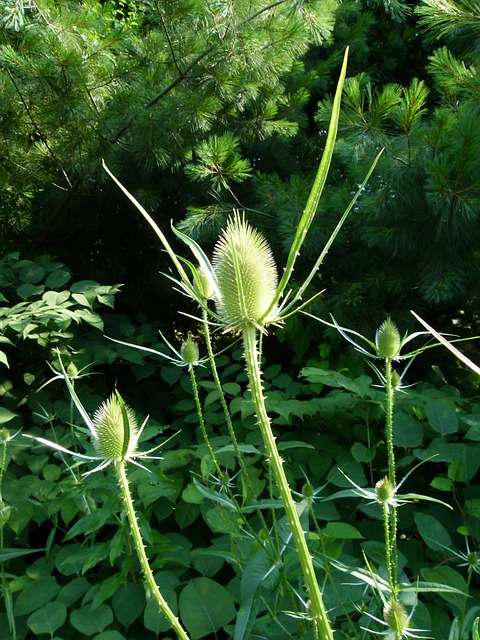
219, 545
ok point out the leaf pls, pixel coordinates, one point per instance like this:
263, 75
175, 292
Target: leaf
35, 595
341, 531
109, 635
442, 416
128, 603
31, 272
8, 554
57, 279
6, 415
407, 431
258, 571
91, 522
89, 622
215, 496
48, 619
205, 607
432, 531
449, 583
153, 618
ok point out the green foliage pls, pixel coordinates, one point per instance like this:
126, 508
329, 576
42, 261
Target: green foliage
204, 532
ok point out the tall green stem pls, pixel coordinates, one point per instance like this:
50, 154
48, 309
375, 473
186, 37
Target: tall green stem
317, 608
142, 556
231, 431
391, 541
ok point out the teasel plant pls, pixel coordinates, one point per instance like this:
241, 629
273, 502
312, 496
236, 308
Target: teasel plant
242, 281
115, 437
388, 347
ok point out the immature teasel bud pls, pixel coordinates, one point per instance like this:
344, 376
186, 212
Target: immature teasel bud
246, 275
189, 351
72, 370
388, 339
112, 439
396, 379
384, 490
396, 617
204, 286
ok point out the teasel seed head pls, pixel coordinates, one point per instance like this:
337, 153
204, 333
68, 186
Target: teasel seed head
246, 276
388, 339
396, 617
112, 439
384, 490
189, 351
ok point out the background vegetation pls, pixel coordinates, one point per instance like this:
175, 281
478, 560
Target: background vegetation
200, 107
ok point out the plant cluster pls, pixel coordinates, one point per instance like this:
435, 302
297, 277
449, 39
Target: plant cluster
325, 497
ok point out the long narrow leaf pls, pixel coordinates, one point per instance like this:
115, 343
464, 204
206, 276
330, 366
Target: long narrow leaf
317, 189
76, 399
334, 234
155, 227
203, 261
448, 345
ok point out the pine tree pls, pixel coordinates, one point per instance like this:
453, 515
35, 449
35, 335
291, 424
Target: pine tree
412, 241
152, 87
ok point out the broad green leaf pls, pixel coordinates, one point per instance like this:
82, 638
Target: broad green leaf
48, 619
447, 579
6, 415
468, 454
432, 531
31, 272
361, 453
473, 507
90, 622
28, 290
407, 431
442, 416
153, 619
90, 523
128, 603
341, 531
73, 591
36, 595
109, 635
57, 279
56, 298
205, 606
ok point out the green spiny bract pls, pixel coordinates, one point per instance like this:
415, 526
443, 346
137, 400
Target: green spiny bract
246, 276
110, 433
388, 339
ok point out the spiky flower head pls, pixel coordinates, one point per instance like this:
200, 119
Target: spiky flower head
189, 351
246, 276
384, 490
396, 617
115, 430
388, 339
